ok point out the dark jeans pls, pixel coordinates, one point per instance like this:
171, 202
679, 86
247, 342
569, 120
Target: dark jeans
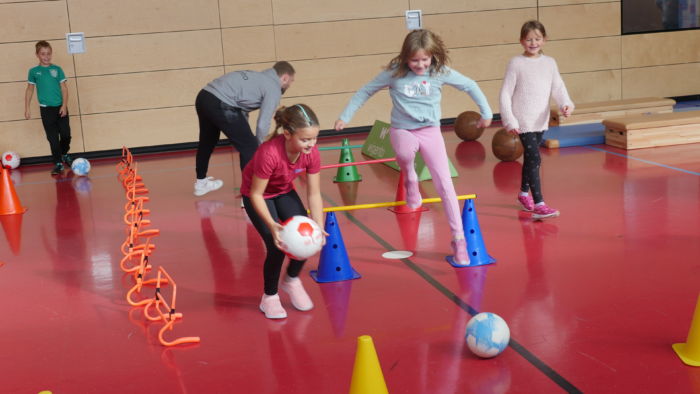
531, 164
215, 116
57, 129
281, 208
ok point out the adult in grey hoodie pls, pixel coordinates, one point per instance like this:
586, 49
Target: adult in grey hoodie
223, 106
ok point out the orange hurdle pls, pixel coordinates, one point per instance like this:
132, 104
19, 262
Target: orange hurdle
166, 311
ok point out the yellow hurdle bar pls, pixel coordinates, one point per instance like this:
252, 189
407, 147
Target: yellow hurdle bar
392, 204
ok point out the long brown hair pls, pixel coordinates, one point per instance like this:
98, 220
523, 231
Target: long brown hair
298, 116
415, 41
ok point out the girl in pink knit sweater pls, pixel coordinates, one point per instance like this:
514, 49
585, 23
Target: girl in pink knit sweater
530, 80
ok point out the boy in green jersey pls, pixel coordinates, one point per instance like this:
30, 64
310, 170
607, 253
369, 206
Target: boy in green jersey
52, 94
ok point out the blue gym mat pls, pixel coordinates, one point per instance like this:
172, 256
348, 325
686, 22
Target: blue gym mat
594, 133
577, 135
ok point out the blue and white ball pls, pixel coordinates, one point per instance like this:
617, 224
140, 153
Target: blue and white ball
80, 166
487, 334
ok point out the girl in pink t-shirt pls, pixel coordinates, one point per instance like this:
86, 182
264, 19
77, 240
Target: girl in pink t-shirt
269, 198
530, 80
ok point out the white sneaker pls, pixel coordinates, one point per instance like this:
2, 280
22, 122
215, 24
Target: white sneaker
206, 185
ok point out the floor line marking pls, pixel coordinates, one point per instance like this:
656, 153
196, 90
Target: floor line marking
643, 160
515, 345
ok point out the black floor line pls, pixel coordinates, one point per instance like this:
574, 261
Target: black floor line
516, 346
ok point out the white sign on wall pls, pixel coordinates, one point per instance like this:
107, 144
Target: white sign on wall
75, 42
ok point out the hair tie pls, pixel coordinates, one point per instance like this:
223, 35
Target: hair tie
306, 116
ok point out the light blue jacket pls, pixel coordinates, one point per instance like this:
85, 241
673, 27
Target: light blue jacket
416, 98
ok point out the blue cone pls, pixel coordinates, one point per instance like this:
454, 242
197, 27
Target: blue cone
333, 265
475, 242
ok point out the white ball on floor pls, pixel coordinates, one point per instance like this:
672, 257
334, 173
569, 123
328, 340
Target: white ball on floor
80, 166
487, 334
10, 160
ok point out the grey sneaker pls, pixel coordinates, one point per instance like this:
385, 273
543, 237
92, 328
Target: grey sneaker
67, 159
206, 185
57, 169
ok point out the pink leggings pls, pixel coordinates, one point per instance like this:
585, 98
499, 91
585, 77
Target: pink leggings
429, 142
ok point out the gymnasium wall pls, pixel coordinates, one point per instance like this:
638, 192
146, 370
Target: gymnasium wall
146, 60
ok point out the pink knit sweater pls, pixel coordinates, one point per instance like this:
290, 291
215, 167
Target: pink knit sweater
527, 87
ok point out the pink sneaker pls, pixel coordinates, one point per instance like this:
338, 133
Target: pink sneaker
271, 306
526, 202
300, 299
543, 211
459, 246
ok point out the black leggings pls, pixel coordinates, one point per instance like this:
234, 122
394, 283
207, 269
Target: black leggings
281, 208
531, 164
215, 116
57, 129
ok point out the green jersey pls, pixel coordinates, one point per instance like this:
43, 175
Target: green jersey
48, 81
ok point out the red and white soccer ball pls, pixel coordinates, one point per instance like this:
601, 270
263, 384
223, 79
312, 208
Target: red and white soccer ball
301, 237
10, 160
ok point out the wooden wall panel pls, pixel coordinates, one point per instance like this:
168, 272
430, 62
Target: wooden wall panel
664, 81
601, 53
339, 39
150, 52
336, 75
19, 57
451, 6
454, 101
245, 13
140, 128
547, 3
594, 86
303, 11
475, 29
146, 60
249, 45
108, 17
127, 92
580, 21
12, 101
27, 137
482, 63
640, 50
329, 107
33, 21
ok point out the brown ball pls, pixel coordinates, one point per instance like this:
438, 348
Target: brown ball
506, 146
465, 126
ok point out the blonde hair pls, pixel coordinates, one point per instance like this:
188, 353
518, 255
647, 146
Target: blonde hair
415, 41
298, 116
531, 26
42, 44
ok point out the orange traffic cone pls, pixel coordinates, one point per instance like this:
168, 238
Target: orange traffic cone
401, 196
12, 225
367, 377
9, 202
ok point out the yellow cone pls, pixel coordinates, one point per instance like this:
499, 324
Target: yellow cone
367, 377
689, 351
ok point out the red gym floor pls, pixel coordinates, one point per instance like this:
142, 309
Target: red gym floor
594, 299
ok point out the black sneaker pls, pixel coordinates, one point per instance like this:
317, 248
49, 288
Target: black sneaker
67, 159
57, 169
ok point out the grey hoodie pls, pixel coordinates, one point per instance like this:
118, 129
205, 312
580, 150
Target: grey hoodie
250, 90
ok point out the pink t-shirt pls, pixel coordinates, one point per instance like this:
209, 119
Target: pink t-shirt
270, 162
